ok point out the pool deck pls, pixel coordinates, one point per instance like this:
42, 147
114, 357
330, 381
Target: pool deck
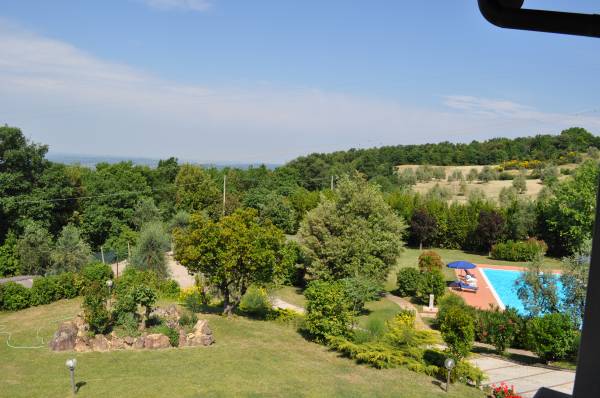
485, 296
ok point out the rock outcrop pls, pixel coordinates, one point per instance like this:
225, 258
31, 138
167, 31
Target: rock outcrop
75, 335
65, 336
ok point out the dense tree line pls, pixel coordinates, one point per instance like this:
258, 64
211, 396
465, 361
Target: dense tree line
378, 163
49, 209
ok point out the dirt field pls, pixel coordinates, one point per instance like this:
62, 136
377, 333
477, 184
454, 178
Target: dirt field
491, 189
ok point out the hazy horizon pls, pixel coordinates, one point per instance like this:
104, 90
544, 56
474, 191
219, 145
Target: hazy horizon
268, 81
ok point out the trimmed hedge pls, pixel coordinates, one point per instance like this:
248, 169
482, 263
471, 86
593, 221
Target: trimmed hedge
14, 297
526, 250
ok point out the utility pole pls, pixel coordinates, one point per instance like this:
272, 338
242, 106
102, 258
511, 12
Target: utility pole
102, 254
332, 183
224, 191
128, 252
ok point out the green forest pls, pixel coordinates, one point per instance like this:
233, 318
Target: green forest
53, 215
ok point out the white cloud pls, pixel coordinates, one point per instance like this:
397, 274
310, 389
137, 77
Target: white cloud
194, 5
78, 103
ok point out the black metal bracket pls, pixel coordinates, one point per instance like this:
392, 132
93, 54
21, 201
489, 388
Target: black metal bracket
509, 14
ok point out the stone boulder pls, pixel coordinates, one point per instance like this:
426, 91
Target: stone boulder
156, 340
139, 342
64, 338
100, 343
182, 338
201, 335
82, 344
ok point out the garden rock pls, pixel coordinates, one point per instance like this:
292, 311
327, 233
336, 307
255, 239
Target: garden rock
156, 340
139, 342
64, 338
202, 334
182, 338
100, 343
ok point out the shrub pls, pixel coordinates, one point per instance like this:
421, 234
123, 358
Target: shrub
498, 328
430, 260
94, 307
195, 298
67, 285
408, 280
169, 289
519, 251
458, 332
328, 312
255, 302
431, 283
449, 301
286, 316
188, 319
503, 391
14, 296
45, 291
132, 278
552, 336
92, 273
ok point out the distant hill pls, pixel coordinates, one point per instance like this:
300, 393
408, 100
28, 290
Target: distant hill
92, 160
381, 163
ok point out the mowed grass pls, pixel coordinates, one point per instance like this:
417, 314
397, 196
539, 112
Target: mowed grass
410, 258
382, 310
250, 359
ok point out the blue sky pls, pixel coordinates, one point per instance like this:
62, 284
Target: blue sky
240, 80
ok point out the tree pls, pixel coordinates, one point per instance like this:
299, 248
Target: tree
272, 206
488, 174
353, 233
232, 253
520, 183
149, 253
574, 280
115, 189
537, 290
9, 257
472, 175
197, 191
549, 175
144, 212
567, 217
35, 246
490, 228
70, 252
422, 227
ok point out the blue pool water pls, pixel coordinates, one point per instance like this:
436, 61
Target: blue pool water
503, 282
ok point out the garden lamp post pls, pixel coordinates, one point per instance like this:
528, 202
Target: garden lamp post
109, 284
71, 363
448, 364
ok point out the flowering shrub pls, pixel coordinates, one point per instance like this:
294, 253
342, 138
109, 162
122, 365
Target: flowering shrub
504, 391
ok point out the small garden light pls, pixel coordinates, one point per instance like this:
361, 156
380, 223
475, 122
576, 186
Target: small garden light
449, 364
71, 363
109, 284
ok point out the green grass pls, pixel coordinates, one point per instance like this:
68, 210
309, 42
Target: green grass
382, 310
290, 294
409, 258
250, 358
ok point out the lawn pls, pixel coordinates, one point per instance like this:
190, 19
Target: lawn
409, 258
250, 358
382, 310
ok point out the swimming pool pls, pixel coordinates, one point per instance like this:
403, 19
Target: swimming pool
503, 283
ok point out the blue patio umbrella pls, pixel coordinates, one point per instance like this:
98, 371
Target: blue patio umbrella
461, 265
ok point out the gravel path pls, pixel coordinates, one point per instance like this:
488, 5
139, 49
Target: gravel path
284, 305
177, 271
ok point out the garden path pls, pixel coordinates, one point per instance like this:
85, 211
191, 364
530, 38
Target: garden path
527, 380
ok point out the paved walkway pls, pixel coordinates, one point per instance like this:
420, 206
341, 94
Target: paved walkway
24, 280
526, 379
284, 305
